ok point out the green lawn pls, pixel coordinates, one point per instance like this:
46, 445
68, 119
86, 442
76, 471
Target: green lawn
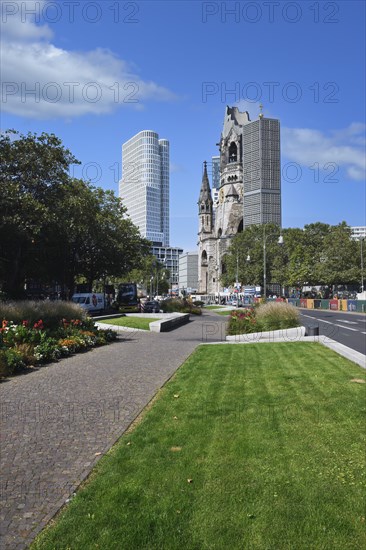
214, 307
133, 322
225, 312
272, 439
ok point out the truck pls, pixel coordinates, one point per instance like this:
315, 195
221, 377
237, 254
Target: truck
89, 301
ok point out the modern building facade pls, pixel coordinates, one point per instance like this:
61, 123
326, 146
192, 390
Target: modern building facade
358, 232
188, 272
169, 257
215, 165
249, 192
144, 186
262, 172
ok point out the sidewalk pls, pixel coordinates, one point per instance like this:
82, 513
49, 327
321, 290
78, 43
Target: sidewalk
58, 421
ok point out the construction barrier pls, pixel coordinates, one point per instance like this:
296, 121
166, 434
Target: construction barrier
334, 304
343, 305
361, 306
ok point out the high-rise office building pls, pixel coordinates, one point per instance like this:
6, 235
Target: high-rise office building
358, 232
215, 172
261, 172
144, 186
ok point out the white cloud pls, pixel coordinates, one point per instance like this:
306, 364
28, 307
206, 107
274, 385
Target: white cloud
343, 147
41, 80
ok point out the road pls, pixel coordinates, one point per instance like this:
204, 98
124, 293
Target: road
347, 328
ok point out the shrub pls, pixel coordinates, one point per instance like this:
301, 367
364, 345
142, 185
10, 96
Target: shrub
13, 360
47, 350
277, 315
266, 316
243, 322
27, 353
181, 306
4, 370
45, 334
48, 312
70, 343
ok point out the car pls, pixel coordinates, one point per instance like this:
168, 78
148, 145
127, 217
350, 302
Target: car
150, 307
234, 303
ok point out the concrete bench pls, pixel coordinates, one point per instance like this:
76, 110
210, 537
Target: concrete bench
169, 322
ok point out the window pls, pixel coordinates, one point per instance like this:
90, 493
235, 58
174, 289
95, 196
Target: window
233, 152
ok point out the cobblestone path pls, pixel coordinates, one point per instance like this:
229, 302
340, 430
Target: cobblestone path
56, 422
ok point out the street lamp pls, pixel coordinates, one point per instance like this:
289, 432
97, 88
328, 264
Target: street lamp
265, 237
151, 282
362, 287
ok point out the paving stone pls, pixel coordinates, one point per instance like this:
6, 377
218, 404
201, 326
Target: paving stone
55, 419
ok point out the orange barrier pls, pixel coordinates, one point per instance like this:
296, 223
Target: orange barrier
343, 305
310, 303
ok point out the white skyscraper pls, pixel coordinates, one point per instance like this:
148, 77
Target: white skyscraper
144, 187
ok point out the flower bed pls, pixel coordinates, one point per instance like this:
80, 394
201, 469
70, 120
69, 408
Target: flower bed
268, 316
28, 343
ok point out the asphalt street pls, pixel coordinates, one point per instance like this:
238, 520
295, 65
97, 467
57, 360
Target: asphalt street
347, 328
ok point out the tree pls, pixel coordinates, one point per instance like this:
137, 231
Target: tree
56, 227
250, 242
319, 254
340, 258
151, 273
33, 168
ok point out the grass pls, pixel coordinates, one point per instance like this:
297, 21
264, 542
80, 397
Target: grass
277, 315
215, 307
271, 437
142, 323
228, 312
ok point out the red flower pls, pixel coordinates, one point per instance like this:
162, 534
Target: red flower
5, 323
39, 325
25, 323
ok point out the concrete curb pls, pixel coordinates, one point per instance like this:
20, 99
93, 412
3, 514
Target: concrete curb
165, 322
289, 335
345, 351
285, 335
118, 328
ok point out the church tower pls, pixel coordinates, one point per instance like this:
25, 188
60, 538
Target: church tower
249, 192
205, 203
205, 233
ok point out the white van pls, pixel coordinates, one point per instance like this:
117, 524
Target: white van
90, 301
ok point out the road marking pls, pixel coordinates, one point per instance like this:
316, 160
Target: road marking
349, 322
330, 323
348, 328
316, 319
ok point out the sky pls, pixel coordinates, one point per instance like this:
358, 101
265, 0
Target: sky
96, 73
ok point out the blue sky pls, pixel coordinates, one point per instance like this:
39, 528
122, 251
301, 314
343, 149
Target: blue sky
103, 71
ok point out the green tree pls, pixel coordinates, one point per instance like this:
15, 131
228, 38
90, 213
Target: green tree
32, 170
340, 258
57, 228
250, 243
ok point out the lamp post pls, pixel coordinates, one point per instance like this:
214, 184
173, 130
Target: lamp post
151, 282
362, 287
265, 237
